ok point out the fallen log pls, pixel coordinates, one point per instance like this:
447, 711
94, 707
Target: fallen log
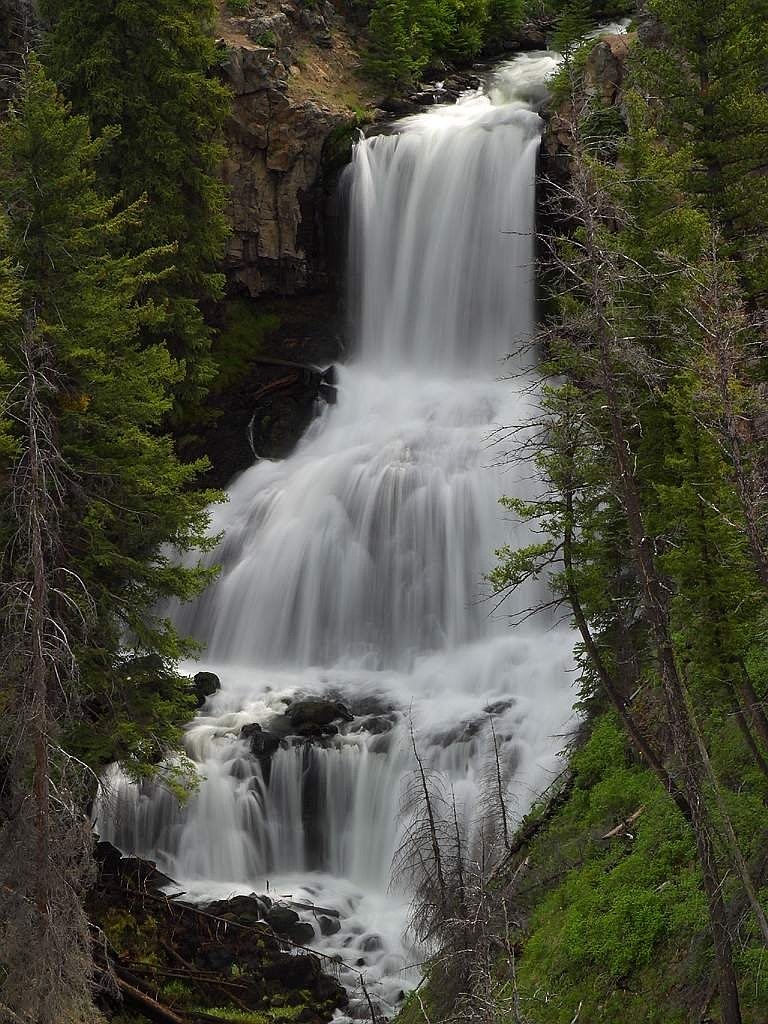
148, 1005
624, 825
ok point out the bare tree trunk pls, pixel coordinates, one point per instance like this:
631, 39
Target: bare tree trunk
435, 842
39, 668
45, 841
500, 786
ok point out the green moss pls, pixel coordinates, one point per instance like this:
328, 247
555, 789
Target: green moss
130, 937
240, 341
618, 925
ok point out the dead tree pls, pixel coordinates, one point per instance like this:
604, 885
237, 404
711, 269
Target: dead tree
45, 840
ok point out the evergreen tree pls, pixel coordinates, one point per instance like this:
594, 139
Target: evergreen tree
391, 59
78, 296
573, 23
645, 509
704, 75
147, 68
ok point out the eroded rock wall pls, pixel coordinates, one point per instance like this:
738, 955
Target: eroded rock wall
291, 71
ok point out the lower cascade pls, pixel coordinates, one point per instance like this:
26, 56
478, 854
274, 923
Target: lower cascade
351, 617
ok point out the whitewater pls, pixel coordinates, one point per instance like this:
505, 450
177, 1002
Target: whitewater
354, 569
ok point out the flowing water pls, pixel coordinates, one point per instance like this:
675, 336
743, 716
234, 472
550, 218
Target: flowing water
355, 567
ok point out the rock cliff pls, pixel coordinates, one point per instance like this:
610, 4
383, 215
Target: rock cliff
297, 99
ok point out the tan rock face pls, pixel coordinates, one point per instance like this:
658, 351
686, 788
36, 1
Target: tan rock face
604, 72
602, 85
276, 168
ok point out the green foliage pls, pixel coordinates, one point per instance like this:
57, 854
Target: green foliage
406, 36
619, 928
146, 67
81, 280
266, 39
504, 18
606, 932
287, 1013
240, 340
706, 80
573, 23
239, 6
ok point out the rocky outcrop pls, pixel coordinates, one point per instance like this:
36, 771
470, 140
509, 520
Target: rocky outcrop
601, 88
170, 960
605, 69
205, 684
282, 140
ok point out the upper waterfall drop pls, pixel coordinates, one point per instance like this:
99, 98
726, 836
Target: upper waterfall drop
441, 234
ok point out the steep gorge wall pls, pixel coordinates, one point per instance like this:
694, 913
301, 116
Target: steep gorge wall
292, 72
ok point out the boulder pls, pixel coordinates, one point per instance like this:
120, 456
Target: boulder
270, 31
263, 744
377, 724
371, 944
205, 684
134, 871
312, 716
288, 924
329, 925
248, 910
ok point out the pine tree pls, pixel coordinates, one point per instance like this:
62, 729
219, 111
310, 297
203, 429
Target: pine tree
391, 60
147, 67
644, 506
704, 76
121, 492
573, 23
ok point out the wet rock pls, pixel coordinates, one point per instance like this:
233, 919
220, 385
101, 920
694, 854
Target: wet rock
329, 925
288, 924
137, 872
371, 944
303, 933
370, 705
295, 972
171, 930
247, 910
205, 684
398, 106
310, 730
425, 99
498, 707
377, 724
281, 918
316, 714
263, 743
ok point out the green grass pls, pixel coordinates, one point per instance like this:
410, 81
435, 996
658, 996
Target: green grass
280, 1013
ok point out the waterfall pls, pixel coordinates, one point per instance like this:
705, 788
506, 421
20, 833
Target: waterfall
354, 568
